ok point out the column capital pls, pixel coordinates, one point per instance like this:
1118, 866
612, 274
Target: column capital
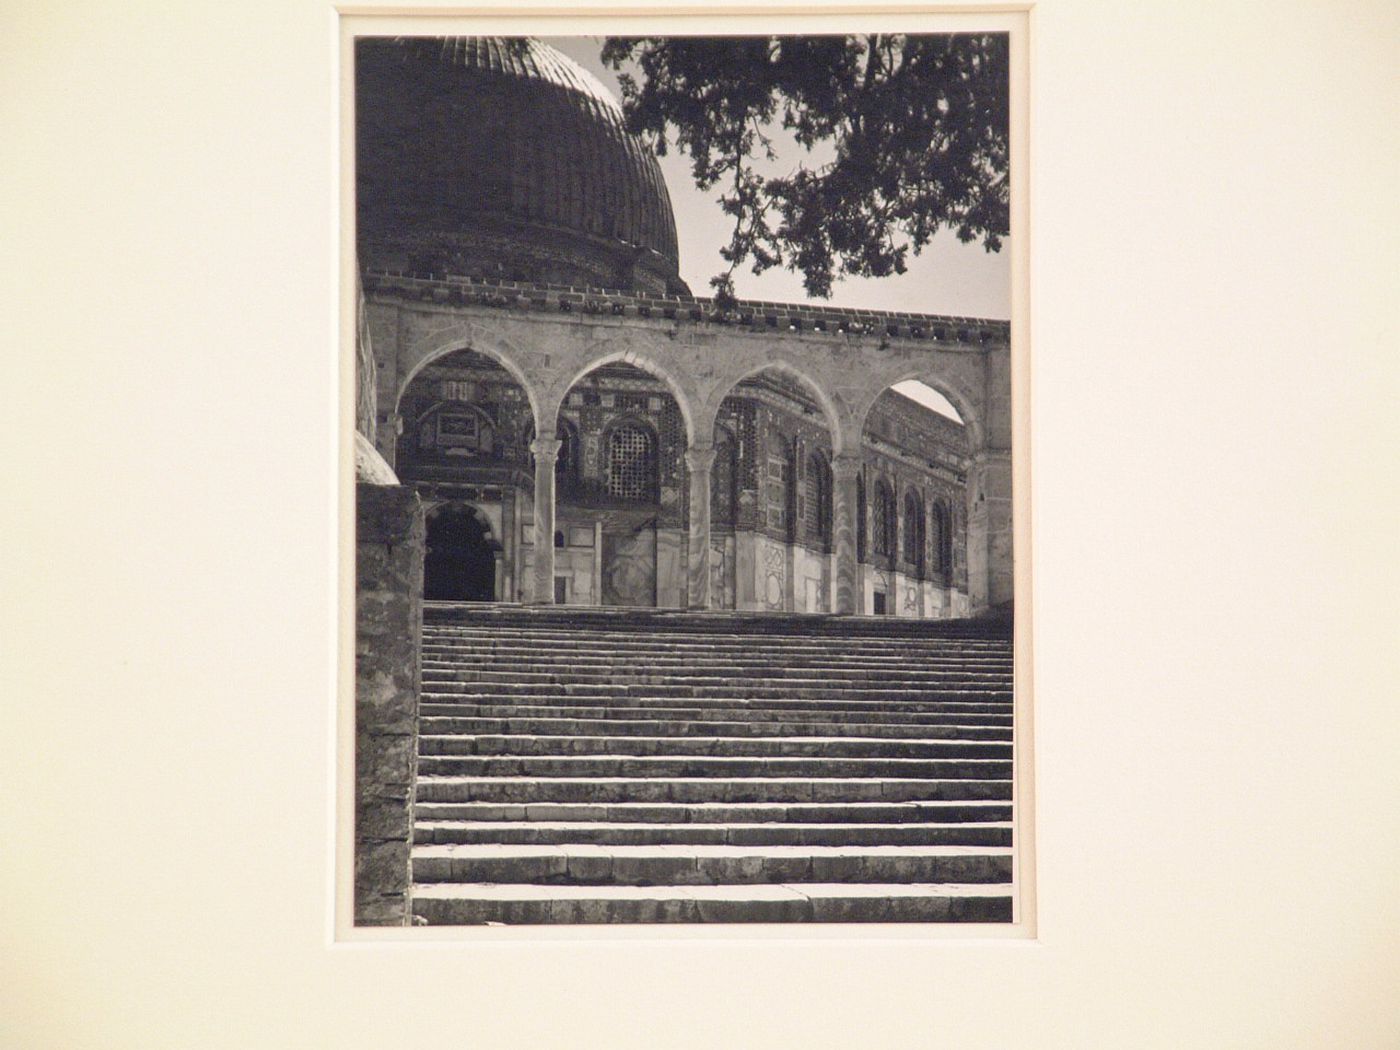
846, 465
699, 458
545, 448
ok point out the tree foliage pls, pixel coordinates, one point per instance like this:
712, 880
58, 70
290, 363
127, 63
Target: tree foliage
900, 136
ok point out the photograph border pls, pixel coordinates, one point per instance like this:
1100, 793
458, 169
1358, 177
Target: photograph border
353, 21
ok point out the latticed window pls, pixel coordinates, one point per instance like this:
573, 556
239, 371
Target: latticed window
722, 479
779, 486
632, 464
938, 530
800, 492
777, 493
914, 531
883, 515
819, 498
891, 524
860, 517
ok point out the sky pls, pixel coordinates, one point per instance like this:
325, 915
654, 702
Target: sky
948, 277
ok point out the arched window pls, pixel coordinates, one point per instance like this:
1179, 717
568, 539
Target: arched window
914, 531
632, 463
891, 524
722, 475
940, 526
860, 517
883, 520
819, 499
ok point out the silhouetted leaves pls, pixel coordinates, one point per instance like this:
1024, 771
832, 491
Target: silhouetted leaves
900, 136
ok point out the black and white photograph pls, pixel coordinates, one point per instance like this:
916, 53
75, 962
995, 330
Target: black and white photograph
685, 560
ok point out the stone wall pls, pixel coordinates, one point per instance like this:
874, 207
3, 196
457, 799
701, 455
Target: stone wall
783, 317
389, 540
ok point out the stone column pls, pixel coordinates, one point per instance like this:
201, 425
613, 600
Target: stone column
699, 460
546, 450
844, 469
990, 580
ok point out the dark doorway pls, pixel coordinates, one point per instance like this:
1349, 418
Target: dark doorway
460, 565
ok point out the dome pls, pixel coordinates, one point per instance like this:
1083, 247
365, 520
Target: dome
504, 158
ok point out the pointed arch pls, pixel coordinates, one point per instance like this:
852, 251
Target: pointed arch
466, 336
968, 405
673, 383
830, 412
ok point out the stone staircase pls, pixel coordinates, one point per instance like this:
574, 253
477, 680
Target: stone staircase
608, 766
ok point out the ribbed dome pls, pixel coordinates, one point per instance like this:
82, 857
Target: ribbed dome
504, 155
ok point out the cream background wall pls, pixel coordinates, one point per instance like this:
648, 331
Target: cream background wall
1214, 453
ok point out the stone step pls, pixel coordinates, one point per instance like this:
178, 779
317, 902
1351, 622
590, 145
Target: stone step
675, 621
444, 788
653, 766
645, 671
835, 667
604, 643
879, 634
790, 746
863, 699
734, 686
728, 643
583, 864
498, 705
829, 658
737, 689
605, 833
722, 621
456, 904
646, 765
682, 716
454, 671
794, 813
966, 726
